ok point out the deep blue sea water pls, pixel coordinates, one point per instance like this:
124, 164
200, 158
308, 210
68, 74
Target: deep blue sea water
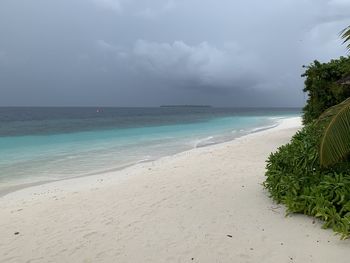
43, 144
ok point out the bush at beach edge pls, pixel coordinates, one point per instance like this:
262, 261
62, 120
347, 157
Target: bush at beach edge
296, 179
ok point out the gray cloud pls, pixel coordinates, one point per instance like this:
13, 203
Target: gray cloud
203, 64
2, 55
206, 64
153, 13
127, 52
115, 5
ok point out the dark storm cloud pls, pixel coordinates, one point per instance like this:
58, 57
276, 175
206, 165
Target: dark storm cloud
179, 62
128, 52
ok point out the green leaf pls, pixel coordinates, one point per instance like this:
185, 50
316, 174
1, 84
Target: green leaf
335, 142
345, 35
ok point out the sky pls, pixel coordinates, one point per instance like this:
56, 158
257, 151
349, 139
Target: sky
232, 53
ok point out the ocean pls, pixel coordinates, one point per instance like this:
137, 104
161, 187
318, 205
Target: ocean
40, 144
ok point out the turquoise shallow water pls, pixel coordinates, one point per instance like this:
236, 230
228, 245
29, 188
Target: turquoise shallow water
51, 148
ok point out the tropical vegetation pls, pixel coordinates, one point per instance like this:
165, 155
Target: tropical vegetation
345, 34
323, 86
335, 141
296, 179
311, 174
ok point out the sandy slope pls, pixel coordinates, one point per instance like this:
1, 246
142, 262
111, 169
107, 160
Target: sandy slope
204, 205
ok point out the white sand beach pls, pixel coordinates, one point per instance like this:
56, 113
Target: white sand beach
203, 205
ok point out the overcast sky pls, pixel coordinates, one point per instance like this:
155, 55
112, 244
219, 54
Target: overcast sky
152, 52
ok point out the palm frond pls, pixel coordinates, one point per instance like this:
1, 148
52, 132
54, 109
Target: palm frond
345, 35
335, 142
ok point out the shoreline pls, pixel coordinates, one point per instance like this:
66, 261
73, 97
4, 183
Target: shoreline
203, 205
14, 188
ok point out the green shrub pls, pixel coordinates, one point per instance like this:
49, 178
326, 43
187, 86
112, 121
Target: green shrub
295, 179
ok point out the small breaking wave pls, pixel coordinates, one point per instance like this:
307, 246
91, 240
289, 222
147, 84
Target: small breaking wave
204, 142
263, 128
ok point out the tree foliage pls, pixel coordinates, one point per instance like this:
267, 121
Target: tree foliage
323, 87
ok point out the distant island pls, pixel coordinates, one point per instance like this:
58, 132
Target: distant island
186, 106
